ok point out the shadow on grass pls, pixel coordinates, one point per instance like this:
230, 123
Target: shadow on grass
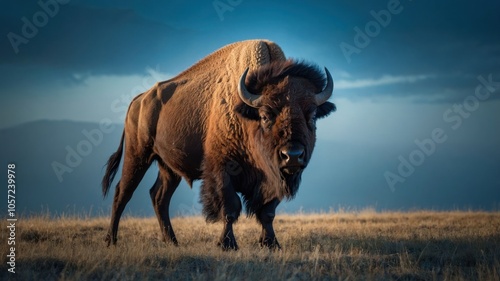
39, 269
427, 259
337, 257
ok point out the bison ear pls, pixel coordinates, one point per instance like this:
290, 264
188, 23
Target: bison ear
247, 112
325, 109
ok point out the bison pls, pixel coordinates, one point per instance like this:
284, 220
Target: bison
243, 120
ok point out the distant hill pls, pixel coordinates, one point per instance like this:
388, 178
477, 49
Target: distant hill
352, 176
59, 166
35, 148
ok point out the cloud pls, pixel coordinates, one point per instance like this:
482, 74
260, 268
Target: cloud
93, 98
456, 50
90, 39
384, 80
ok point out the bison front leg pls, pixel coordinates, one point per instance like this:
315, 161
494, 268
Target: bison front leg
227, 240
266, 217
220, 202
231, 211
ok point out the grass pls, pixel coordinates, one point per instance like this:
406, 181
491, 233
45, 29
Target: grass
421, 245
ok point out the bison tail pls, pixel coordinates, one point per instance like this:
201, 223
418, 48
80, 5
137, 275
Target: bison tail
112, 167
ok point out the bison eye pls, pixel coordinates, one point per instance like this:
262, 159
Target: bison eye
312, 123
312, 120
266, 120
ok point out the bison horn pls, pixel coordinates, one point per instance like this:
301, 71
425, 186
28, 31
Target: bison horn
322, 97
247, 97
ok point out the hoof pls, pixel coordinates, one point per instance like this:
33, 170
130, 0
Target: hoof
174, 242
228, 245
170, 240
109, 241
271, 243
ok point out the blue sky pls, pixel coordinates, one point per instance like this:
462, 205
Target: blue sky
88, 53
88, 59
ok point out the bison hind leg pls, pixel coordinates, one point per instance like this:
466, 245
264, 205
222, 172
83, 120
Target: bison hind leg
124, 191
161, 193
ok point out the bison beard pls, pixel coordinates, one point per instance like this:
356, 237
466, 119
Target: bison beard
249, 135
212, 196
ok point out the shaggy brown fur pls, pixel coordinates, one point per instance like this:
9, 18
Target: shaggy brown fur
196, 127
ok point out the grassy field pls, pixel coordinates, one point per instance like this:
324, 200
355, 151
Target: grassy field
334, 246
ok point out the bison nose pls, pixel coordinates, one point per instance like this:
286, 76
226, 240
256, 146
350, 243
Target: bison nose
293, 155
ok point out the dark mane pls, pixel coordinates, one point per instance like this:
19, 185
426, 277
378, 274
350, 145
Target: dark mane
274, 72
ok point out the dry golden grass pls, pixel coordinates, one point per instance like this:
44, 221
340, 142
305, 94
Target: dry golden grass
336, 246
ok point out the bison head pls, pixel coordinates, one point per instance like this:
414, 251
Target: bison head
283, 100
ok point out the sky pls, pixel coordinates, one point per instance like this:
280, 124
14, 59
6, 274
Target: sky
84, 54
401, 68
